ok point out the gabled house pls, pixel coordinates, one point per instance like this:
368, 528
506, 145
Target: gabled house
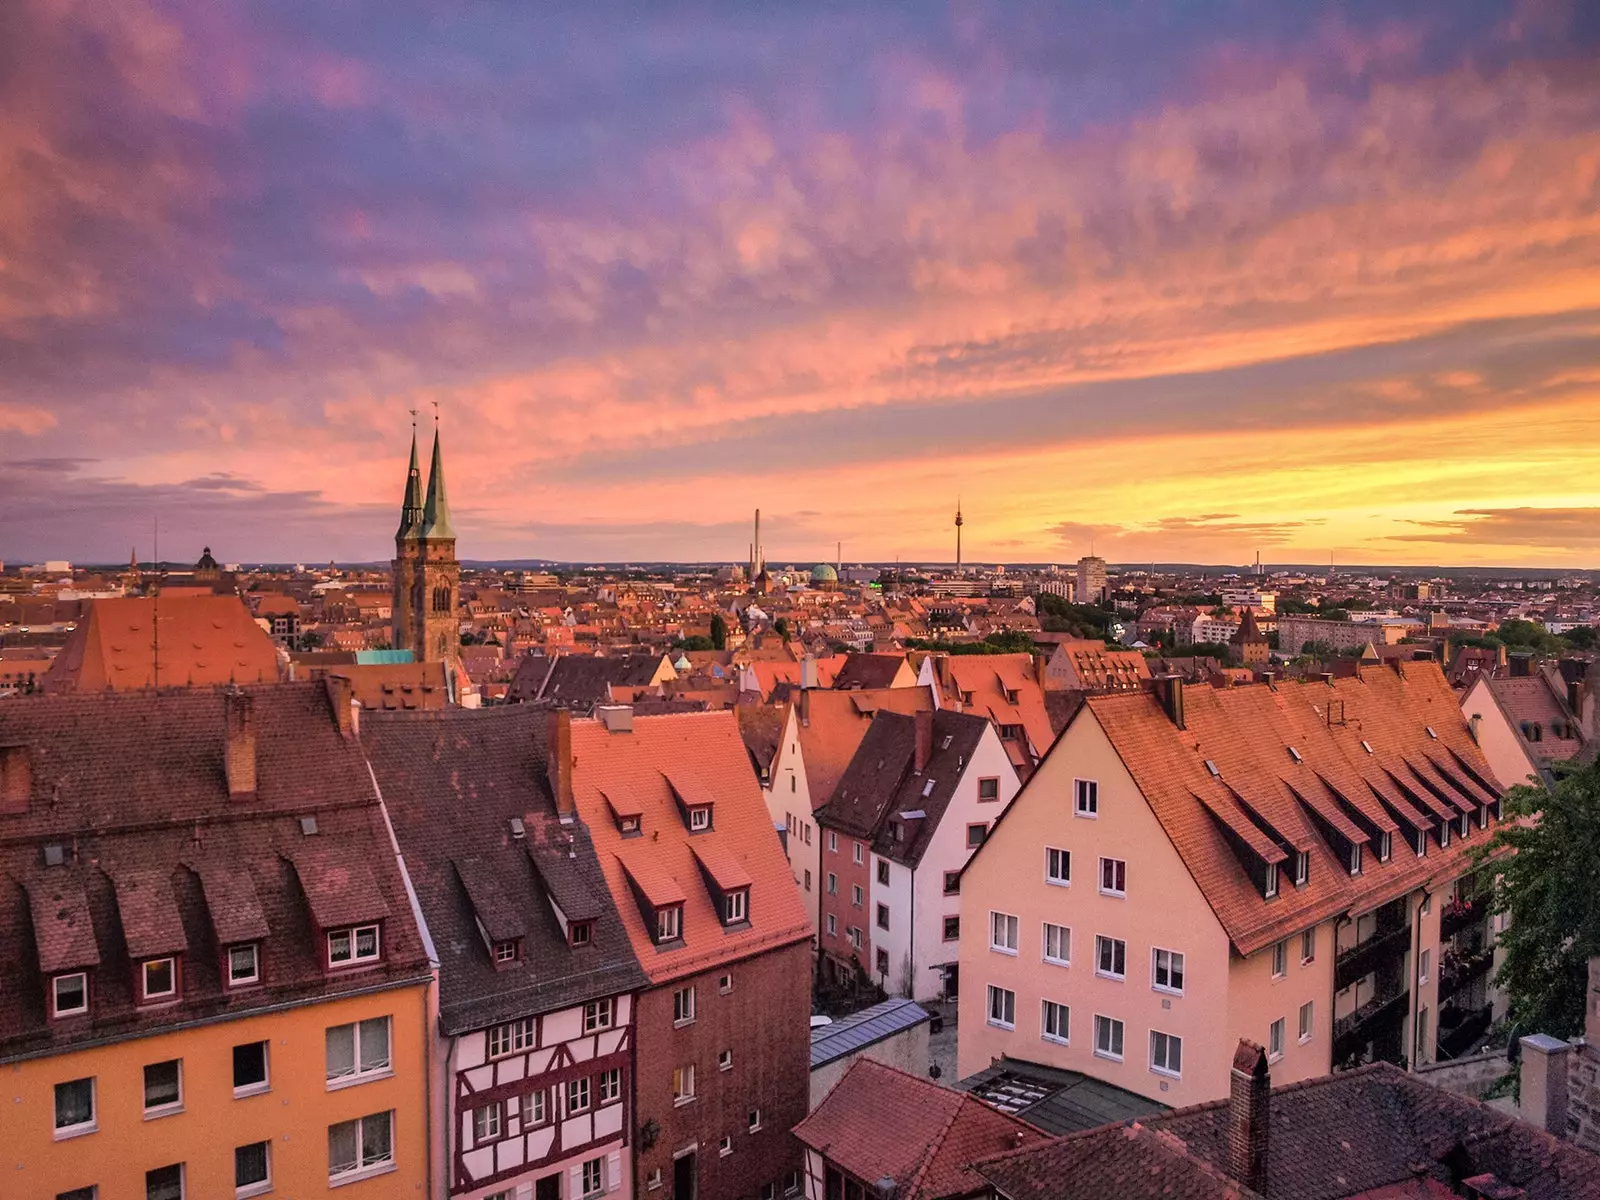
918, 797
1532, 718
1086, 665
1008, 689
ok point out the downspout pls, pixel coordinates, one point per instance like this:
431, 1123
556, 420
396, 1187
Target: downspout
1416, 986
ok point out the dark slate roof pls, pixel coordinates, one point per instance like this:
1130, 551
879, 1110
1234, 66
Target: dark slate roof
528, 682
1128, 1162
160, 859
868, 671
854, 1033
1055, 1100
579, 681
880, 782
452, 781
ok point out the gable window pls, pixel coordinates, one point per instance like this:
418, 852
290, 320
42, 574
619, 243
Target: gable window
883, 871
1058, 866
74, 1108
975, 835
354, 945
1110, 957
683, 1005
736, 907
1002, 1007
1086, 797
1003, 932
360, 1050
699, 819
362, 1146
1057, 945
244, 964
599, 1014
1269, 886
952, 883
163, 1088
580, 933
69, 994
629, 826
1355, 858
1302, 867
1113, 877
952, 929
1167, 971
506, 951
988, 789
158, 979
669, 923
1166, 1053
1055, 1022
1108, 1037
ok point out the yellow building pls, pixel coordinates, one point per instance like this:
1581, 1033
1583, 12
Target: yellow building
211, 980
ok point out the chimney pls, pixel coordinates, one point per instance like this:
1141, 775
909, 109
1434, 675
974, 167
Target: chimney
1543, 1080
1249, 1104
342, 695
617, 718
239, 753
1039, 663
922, 719
1520, 663
560, 752
1169, 690
1473, 726
808, 672
804, 710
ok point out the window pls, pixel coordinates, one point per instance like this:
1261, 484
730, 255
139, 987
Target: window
1305, 1021
989, 789
669, 923
1269, 886
594, 1176
882, 960
725, 1060
652, 1181
506, 951
1168, 971
506, 1039
346, 946
83, 1193
1113, 877
252, 1169
833, 925
952, 883
754, 1120
244, 964
736, 907
599, 1014
1002, 1007
488, 1122
1386, 842
250, 1068
1108, 1037
857, 896
833, 842
883, 871
857, 852
1110, 957
883, 916
535, 1108
683, 1005
164, 1183
1003, 932
1275, 1040
1086, 797
362, 1146
578, 1095
1280, 959
1302, 867
1424, 963
1058, 866
580, 933
1355, 858
158, 978
833, 884
724, 984
683, 1084
854, 934
70, 994
1308, 947
1055, 1024
699, 819
359, 1050
725, 1147
791, 1183
952, 929
1057, 945
1166, 1053
975, 835
163, 1088
75, 1107
808, 879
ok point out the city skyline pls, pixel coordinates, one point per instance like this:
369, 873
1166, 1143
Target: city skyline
1184, 287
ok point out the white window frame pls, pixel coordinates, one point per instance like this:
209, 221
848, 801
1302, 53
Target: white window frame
599, 1014
669, 923
360, 1071
261, 1186
833, 842
1308, 946
170, 961
361, 1169
1007, 1004
858, 853
683, 1007
1276, 1036
1115, 1032
236, 980
1063, 934
1005, 933
1280, 959
1307, 1021
505, 950
1302, 867
833, 925
699, 819
1269, 888
1086, 798
172, 1106
1169, 1042
736, 906
55, 994
1175, 963
1063, 1018
351, 934
608, 1089
1111, 943
593, 1177
725, 1060
753, 1120
1114, 864
578, 1096
1063, 859
240, 1091
1424, 965
1385, 846
489, 1122
682, 1085
77, 1128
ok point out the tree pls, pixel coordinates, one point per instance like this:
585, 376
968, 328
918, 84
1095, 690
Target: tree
1549, 885
695, 642
719, 632
781, 628
1583, 637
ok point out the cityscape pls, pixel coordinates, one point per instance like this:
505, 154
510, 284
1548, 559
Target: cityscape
871, 603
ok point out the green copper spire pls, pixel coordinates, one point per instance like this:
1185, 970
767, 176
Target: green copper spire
436, 525
411, 507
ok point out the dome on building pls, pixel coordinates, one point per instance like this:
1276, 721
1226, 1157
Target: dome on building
823, 573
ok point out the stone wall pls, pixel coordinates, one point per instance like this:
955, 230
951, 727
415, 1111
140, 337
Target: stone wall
1583, 1072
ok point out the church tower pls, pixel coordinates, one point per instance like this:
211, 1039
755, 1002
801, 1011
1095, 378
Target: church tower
427, 577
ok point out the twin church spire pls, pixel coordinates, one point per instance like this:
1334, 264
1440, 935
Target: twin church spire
427, 577
431, 518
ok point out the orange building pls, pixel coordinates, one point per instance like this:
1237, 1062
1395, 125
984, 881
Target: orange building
214, 984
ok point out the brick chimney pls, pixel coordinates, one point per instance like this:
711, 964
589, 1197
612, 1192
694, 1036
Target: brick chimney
923, 721
239, 751
560, 752
1249, 1103
1168, 690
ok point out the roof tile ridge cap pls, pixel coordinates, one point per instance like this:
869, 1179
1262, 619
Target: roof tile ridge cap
935, 1144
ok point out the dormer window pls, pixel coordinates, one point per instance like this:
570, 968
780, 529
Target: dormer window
158, 980
1466, 824
1270, 885
1444, 834
1355, 858
736, 907
358, 944
244, 964
507, 952
629, 826
700, 818
1422, 843
69, 994
669, 923
1302, 867
1385, 846
580, 933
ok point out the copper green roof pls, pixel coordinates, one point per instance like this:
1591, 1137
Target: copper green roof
436, 524
411, 506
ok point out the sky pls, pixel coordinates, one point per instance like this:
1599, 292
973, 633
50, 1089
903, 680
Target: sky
1178, 282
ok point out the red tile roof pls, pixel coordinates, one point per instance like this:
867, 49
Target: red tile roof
202, 640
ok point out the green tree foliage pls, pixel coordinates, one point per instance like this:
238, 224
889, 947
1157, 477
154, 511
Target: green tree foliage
1529, 635
781, 628
1550, 887
719, 632
1057, 615
697, 642
1584, 637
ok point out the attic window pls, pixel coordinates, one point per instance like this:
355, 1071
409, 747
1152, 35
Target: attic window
630, 826
700, 818
927, 788
69, 994
518, 830
1302, 867
944, 743
507, 952
1431, 733
580, 933
54, 854
669, 923
308, 826
1366, 745
158, 979
736, 907
354, 945
1269, 887
1211, 767
1295, 754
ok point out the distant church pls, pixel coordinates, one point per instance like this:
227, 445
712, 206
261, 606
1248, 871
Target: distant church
427, 577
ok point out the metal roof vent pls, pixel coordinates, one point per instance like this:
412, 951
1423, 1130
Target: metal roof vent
1295, 754
308, 826
1431, 733
518, 830
54, 854
1212, 768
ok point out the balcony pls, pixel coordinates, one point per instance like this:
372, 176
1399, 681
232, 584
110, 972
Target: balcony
1457, 971
1377, 1022
1459, 914
1362, 959
1460, 1029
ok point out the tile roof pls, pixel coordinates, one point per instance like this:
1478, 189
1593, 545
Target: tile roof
1129, 1162
870, 671
762, 727
1260, 790
203, 640
452, 782
832, 726
1529, 701
987, 677
148, 909
878, 1121
704, 753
